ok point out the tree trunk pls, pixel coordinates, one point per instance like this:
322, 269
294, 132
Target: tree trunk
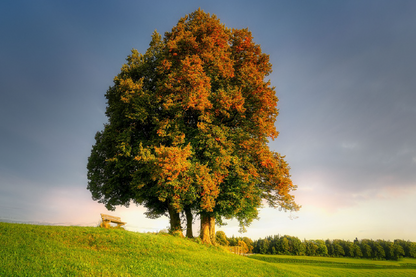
212, 229
207, 229
189, 219
175, 221
205, 234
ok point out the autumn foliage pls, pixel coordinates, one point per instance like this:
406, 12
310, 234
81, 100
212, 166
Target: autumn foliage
188, 131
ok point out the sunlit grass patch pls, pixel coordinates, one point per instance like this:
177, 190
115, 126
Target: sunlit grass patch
328, 266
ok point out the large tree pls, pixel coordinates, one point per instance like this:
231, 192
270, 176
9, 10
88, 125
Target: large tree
188, 131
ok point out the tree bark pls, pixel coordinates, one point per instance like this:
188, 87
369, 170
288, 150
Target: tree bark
175, 221
212, 229
189, 219
205, 234
207, 229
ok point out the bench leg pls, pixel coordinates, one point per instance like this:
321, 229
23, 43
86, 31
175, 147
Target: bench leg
105, 224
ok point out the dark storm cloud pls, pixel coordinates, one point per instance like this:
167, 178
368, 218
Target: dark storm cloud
343, 70
56, 62
351, 94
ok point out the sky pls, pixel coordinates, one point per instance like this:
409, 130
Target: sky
344, 73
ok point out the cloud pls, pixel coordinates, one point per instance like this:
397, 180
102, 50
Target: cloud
346, 110
349, 145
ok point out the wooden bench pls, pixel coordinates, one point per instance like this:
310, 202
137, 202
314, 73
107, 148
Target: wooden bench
107, 219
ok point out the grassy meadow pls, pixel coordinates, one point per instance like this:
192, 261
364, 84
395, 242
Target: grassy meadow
328, 266
37, 250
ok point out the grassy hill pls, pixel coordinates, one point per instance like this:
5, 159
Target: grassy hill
35, 250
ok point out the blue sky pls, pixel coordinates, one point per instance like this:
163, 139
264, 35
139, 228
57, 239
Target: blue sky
343, 71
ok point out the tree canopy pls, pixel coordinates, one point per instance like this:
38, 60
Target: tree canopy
366, 248
189, 123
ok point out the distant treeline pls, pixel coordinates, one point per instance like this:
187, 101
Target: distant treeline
288, 245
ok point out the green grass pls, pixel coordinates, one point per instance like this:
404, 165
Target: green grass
32, 250
326, 266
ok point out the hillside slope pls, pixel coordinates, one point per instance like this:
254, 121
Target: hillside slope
36, 250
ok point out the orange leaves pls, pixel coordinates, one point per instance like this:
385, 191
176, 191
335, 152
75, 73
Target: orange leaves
277, 184
228, 100
241, 39
197, 86
204, 36
243, 44
208, 184
165, 65
220, 75
188, 85
172, 161
251, 67
267, 163
171, 171
216, 76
